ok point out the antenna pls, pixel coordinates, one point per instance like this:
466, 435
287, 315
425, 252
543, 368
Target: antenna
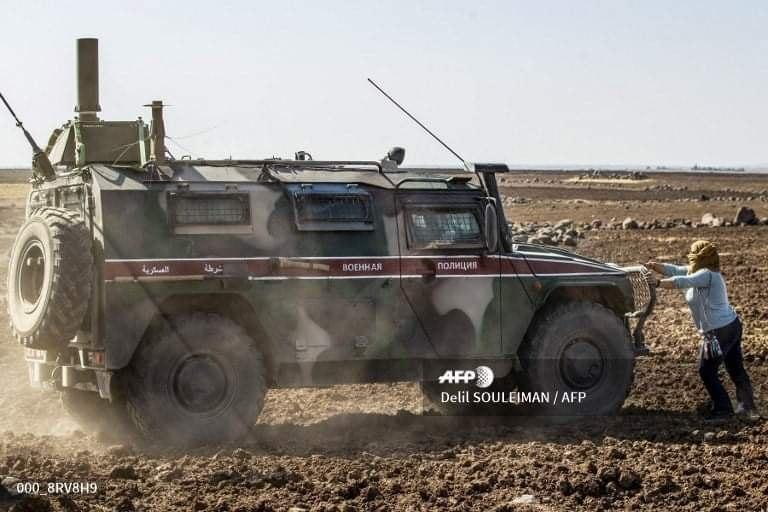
446, 146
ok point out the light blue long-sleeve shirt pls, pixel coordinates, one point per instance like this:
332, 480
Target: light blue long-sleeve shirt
706, 295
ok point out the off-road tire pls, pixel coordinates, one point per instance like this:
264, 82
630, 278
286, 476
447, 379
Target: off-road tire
195, 379
96, 415
49, 278
590, 328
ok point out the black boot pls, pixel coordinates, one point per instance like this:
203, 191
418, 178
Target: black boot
745, 400
718, 416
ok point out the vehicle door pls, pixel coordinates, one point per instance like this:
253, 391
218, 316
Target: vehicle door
448, 276
347, 299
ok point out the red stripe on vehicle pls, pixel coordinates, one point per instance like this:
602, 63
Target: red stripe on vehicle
341, 267
441, 266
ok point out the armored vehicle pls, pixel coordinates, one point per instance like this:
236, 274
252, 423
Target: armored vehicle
173, 293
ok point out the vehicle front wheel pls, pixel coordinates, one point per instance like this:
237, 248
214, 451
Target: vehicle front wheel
196, 379
580, 353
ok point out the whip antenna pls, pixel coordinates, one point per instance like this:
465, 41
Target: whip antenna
390, 98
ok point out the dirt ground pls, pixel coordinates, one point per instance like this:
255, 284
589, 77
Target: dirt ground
369, 447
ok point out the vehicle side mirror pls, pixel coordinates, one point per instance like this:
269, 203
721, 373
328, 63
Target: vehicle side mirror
491, 227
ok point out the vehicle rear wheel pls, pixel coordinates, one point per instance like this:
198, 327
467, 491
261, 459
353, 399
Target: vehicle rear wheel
196, 379
578, 347
49, 278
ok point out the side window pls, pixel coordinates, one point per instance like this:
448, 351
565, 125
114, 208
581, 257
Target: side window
209, 209
207, 213
439, 227
330, 209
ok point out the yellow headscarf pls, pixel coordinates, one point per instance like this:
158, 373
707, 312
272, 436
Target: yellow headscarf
703, 255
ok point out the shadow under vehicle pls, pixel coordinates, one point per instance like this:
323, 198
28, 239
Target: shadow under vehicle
171, 294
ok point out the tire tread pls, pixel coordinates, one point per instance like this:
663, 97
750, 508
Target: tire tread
72, 271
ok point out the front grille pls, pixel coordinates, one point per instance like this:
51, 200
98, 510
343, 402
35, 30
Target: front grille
644, 295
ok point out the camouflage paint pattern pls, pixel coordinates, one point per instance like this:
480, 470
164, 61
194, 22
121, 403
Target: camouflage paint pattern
364, 301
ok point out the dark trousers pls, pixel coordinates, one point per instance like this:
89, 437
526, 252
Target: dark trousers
730, 343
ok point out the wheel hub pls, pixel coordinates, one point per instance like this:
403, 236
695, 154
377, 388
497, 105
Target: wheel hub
581, 364
31, 276
200, 383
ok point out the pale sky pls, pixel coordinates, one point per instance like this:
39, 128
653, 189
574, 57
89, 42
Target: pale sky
561, 82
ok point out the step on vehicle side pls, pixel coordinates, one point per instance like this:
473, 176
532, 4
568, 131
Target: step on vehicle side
171, 294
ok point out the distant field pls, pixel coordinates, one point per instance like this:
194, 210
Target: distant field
15, 175
612, 181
